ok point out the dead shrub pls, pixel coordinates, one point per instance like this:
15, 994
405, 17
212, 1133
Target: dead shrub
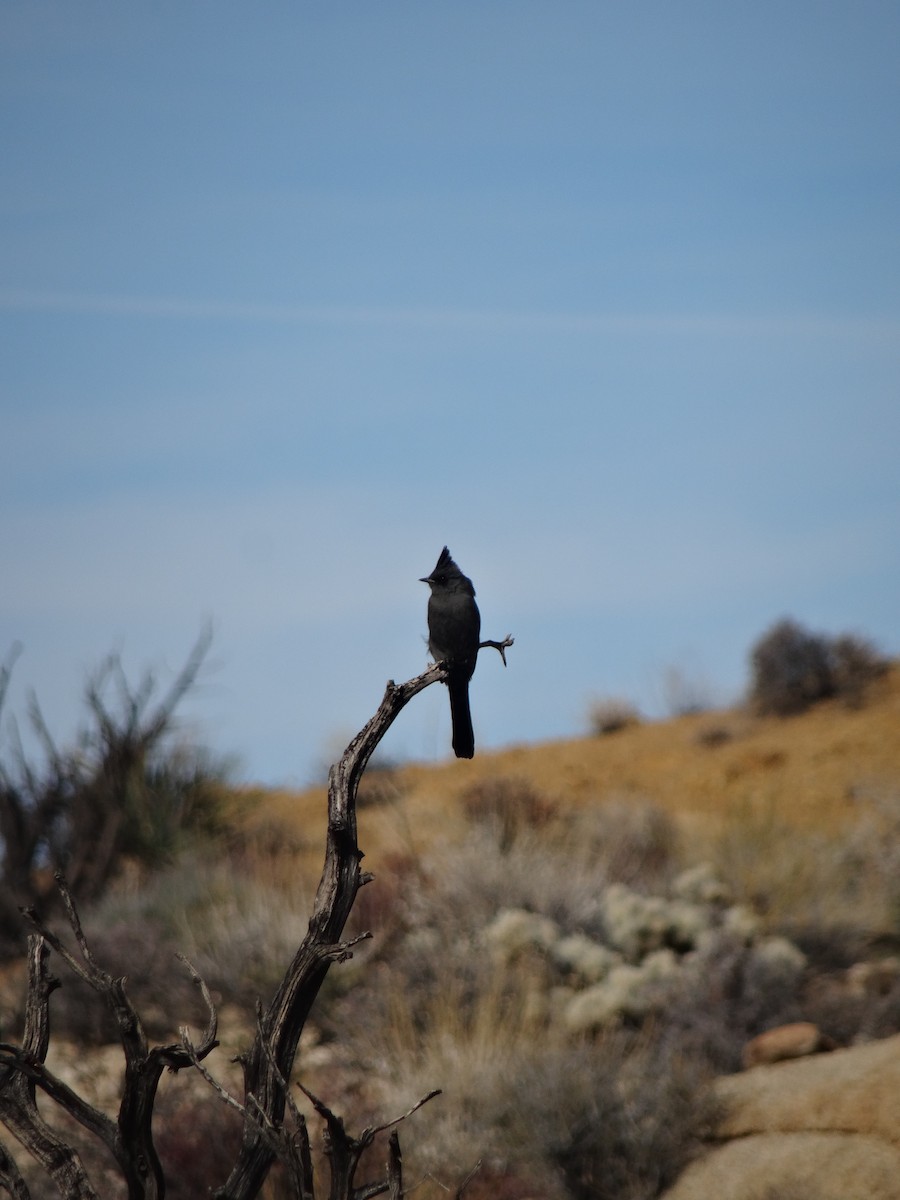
611, 715
856, 665
714, 735
792, 669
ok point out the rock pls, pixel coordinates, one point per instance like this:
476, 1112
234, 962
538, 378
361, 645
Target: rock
827, 1126
785, 1041
794, 1166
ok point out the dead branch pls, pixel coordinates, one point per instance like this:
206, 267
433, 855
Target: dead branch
292, 1145
129, 1138
10, 1179
18, 1106
501, 647
395, 1168
6, 670
271, 1057
458, 1194
344, 1152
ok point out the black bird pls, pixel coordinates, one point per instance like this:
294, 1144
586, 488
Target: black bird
454, 627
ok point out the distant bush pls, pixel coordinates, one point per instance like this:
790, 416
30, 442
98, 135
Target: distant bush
611, 715
713, 735
792, 669
685, 694
856, 663
237, 928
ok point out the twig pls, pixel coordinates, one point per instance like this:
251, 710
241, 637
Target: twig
190, 1050
468, 1179
6, 669
374, 1130
210, 1038
501, 647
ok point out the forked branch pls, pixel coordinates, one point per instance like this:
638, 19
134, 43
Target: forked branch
501, 647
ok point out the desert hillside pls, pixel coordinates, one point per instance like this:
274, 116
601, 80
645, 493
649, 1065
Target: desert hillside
808, 772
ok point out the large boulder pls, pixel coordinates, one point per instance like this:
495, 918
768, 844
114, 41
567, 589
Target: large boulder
826, 1127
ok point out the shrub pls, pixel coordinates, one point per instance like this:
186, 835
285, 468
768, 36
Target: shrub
713, 736
856, 664
237, 928
613, 1116
612, 715
635, 1139
845, 885
792, 669
124, 791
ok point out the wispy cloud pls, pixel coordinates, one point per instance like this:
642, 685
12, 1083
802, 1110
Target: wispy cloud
811, 325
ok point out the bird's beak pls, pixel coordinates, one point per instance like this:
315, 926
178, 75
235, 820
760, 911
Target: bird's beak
425, 579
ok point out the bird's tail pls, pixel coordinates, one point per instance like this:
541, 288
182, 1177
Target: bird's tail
461, 717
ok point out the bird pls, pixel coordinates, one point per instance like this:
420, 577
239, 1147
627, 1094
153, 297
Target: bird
454, 627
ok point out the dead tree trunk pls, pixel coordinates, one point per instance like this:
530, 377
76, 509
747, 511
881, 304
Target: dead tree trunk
271, 1057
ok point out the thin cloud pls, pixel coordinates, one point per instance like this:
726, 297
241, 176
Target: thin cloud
687, 324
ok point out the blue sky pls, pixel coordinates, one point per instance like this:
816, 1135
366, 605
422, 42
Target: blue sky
604, 296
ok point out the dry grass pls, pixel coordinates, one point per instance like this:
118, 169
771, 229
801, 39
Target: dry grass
612, 1117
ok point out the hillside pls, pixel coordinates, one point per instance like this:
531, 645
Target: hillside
809, 772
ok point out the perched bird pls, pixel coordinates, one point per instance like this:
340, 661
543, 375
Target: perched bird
454, 627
